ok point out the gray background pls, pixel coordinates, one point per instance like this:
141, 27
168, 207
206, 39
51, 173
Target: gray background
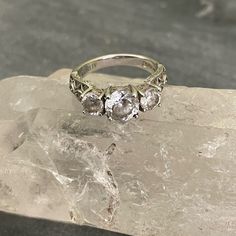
17, 225
38, 37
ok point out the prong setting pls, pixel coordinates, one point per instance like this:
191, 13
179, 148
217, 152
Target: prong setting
119, 102
122, 105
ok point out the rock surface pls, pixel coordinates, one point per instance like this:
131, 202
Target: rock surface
171, 172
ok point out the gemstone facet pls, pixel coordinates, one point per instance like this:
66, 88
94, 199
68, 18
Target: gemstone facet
122, 105
151, 98
93, 104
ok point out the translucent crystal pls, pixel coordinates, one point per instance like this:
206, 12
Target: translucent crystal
170, 172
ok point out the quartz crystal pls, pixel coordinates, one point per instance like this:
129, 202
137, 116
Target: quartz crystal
170, 172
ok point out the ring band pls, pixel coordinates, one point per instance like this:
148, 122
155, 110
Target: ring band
119, 102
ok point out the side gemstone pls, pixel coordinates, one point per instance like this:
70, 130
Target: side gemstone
122, 105
150, 99
93, 104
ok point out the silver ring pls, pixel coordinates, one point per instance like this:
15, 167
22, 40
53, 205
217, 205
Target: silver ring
119, 102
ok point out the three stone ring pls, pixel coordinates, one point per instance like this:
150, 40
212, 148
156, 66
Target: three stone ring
119, 102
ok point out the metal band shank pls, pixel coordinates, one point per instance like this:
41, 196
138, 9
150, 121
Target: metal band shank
132, 60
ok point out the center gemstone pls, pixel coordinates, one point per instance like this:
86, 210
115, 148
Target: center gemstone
122, 105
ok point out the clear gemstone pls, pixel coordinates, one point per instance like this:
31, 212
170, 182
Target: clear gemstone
93, 104
150, 99
122, 105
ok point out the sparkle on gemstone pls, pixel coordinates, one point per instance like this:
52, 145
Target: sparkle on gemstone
93, 104
122, 105
150, 99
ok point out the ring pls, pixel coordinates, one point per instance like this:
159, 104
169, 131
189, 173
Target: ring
119, 102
